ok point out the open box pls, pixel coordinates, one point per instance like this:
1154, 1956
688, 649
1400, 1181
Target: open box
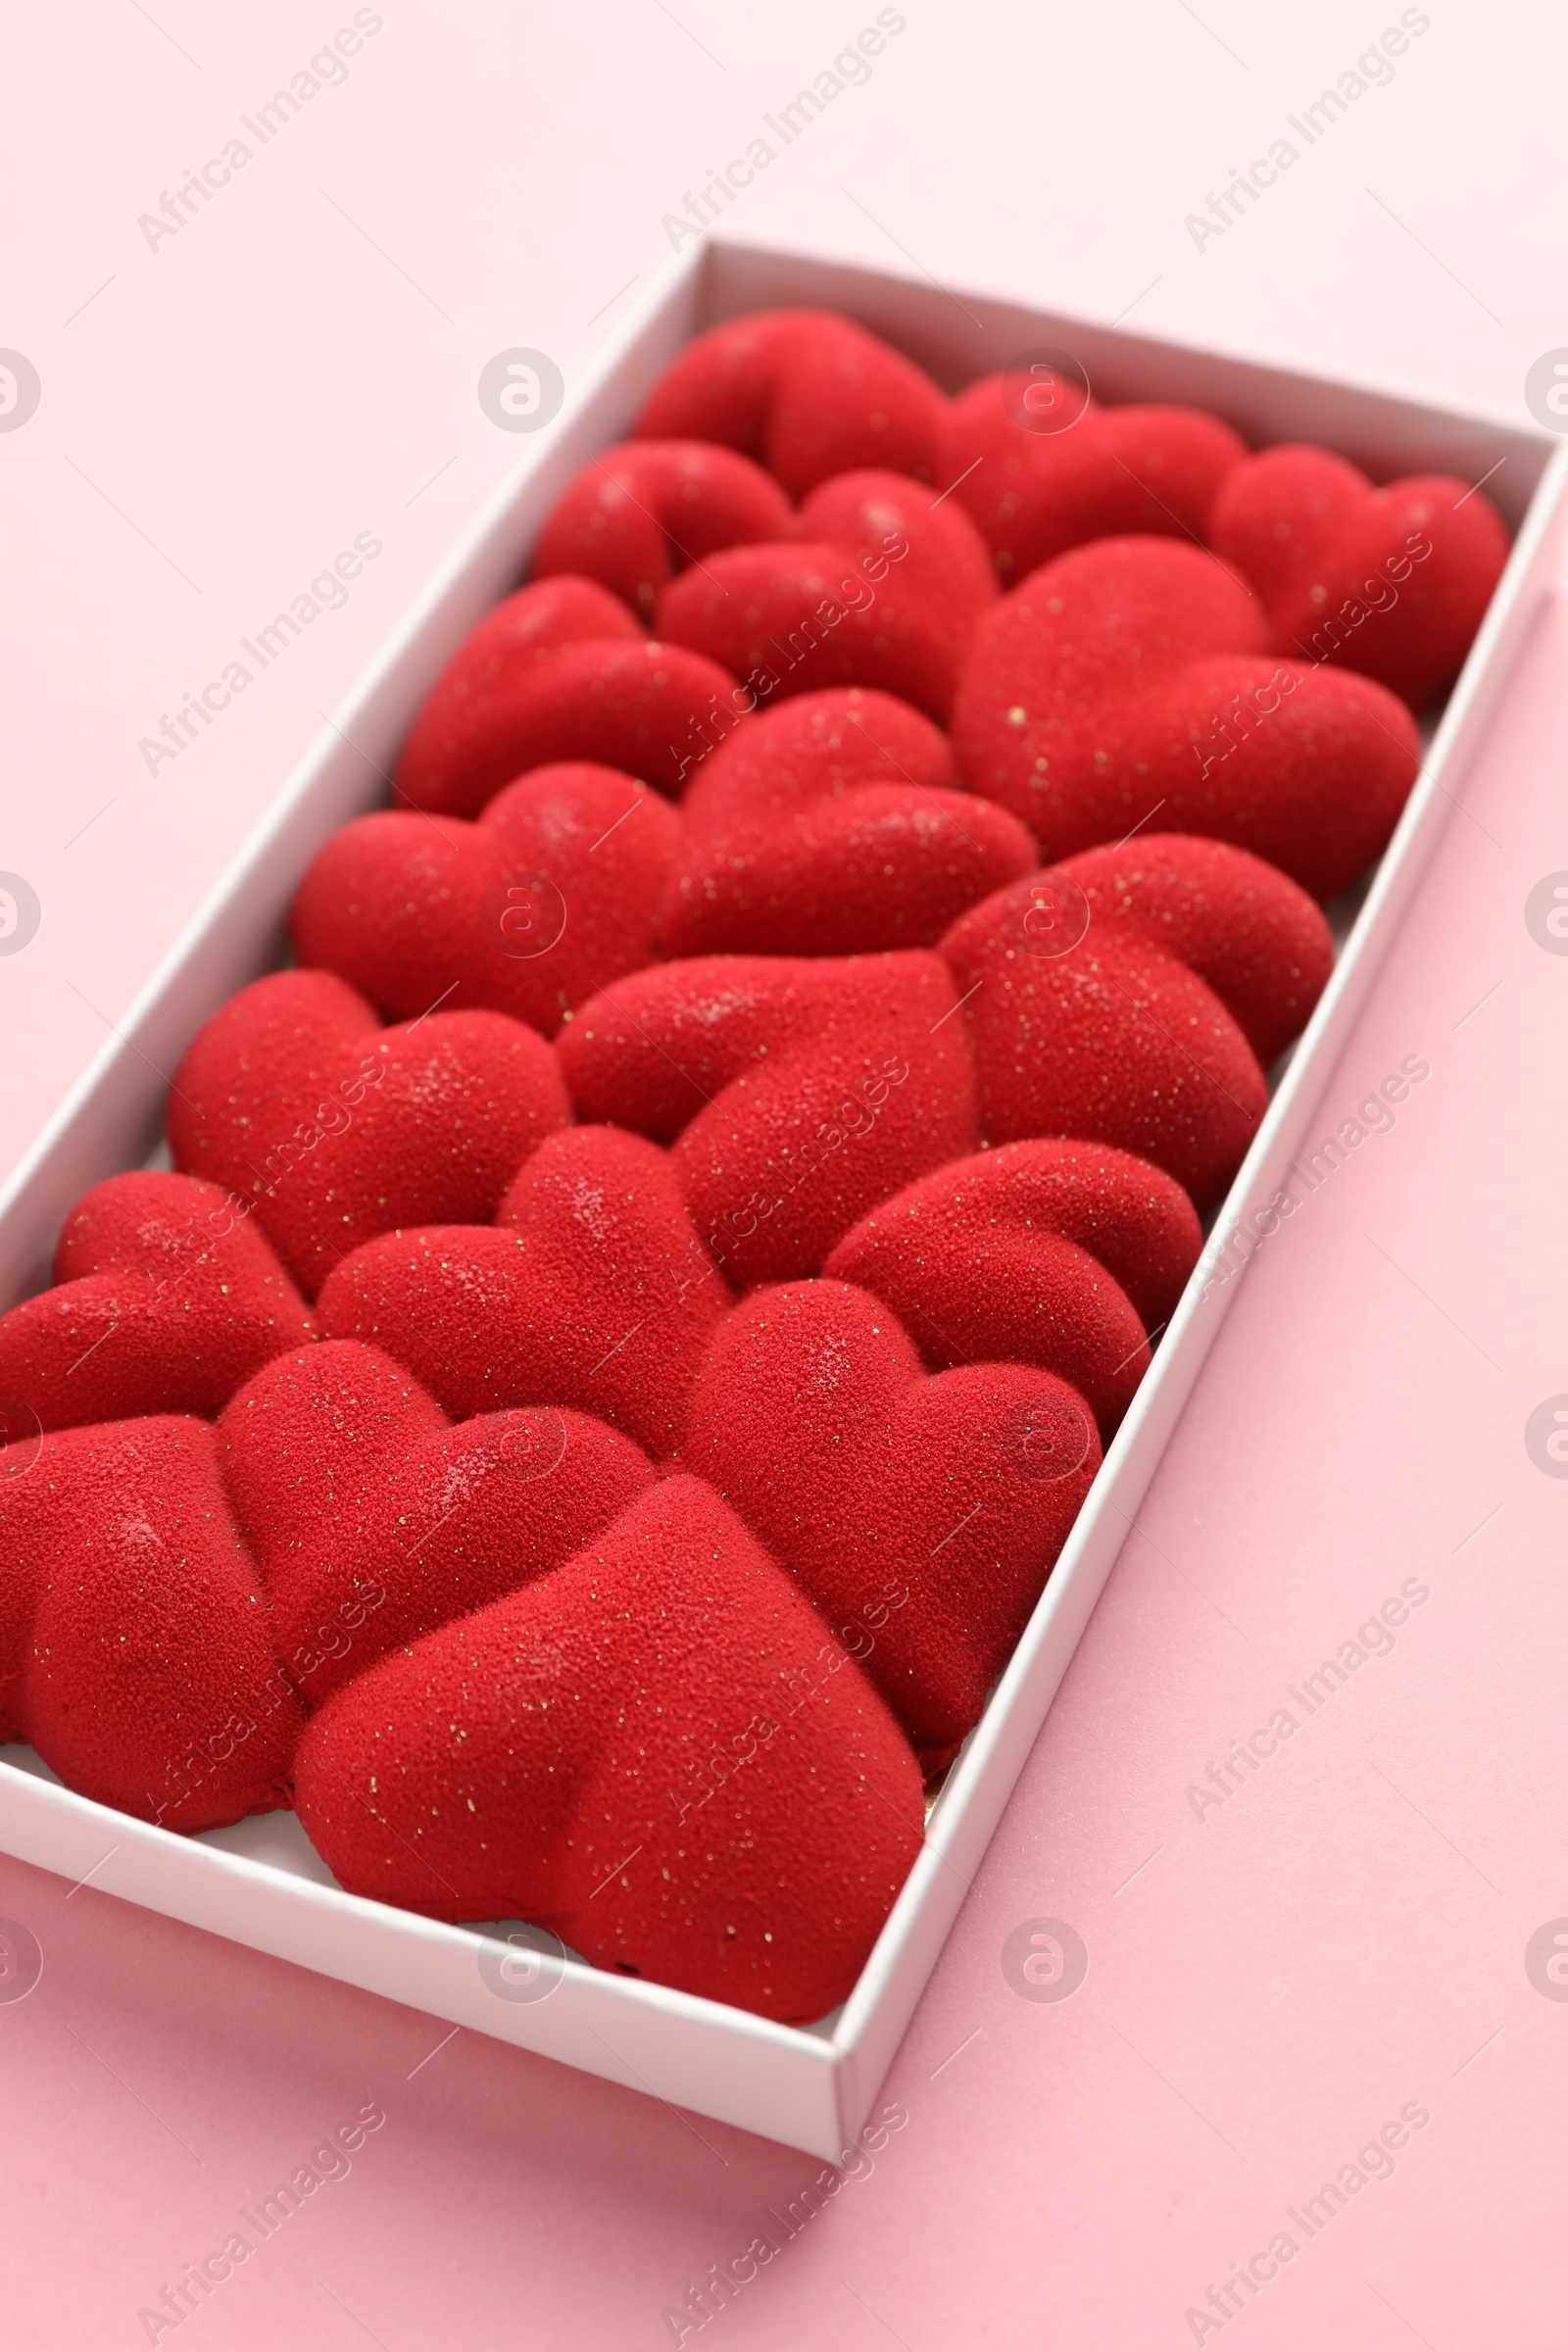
261, 1882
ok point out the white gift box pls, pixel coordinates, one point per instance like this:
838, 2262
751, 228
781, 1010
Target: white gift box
261, 1882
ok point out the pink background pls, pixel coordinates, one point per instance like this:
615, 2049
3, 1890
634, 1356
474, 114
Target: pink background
1268, 1985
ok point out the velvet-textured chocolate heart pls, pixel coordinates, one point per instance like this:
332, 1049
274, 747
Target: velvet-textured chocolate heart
373, 1523
334, 1129
603, 695
808, 392
883, 589
659, 1751
141, 1660
1128, 683
1391, 580
1135, 996
592, 1289
464, 711
640, 512
833, 826
1059, 1255
799, 1092
920, 1514
553, 893
166, 1297
1041, 467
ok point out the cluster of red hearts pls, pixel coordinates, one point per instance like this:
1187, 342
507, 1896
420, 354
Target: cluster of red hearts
641, 1303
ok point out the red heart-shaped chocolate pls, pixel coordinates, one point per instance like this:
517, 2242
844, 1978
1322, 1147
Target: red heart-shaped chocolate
659, 1751
1135, 996
1059, 1255
830, 826
884, 589
592, 1289
307, 1448
1128, 681
165, 1299
555, 892
561, 672
1391, 581
295, 1097
806, 391
643, 510
920, 1514
141, 1660
1041, 468
373, 1523
800, 1091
